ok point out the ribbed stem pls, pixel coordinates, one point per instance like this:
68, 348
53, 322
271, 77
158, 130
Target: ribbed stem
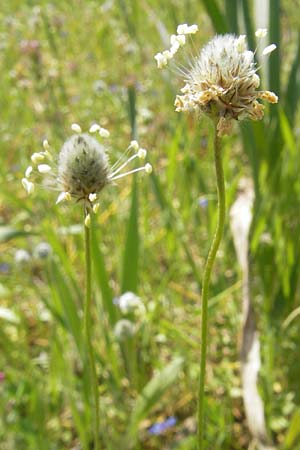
87, 334
206, 281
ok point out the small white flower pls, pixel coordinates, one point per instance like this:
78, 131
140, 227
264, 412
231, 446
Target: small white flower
22, 256
269, 49
87, 221
161, 60
92, 197
178, 39
129, 303
44, 168
148, 168
241, 43
96, 208
186, 29
134, 145
94, 128
63, 196
28, 171
182, 29
261, 33
142, 153
76, 128
37, 158
46, 145
42, 250
28, 186
104, 133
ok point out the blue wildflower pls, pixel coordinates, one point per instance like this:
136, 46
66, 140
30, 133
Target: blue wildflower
159, 427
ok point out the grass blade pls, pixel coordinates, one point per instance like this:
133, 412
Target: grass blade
274, 59
216, 16
101, 278
231, 9
248, 24
131, 248
292, 91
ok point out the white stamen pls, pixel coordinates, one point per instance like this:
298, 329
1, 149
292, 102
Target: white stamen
134, 145
92, 197
261, 33
132, 171
177, 39
94, 128
269, 49
28, 185
37, 157
76, 128
123, 165
46, 145
185, 29
44, 168
148, 168
63, 196
104, 133
87, 221
241, 43
28, 171
96, 208
142, 153
161, 60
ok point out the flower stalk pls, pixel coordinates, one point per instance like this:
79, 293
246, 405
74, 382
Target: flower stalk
92, 373
206, 281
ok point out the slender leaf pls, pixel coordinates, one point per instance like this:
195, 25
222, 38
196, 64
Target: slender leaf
248, 24
231, 9
68, 306
101, 277
274, 59
292, 91
293, 433
131, 248
216, 16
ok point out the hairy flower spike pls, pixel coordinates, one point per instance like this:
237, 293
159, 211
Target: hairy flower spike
222, 82
82, 168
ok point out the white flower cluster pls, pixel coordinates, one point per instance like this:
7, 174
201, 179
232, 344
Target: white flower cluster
82, 168
222, 81
177, 40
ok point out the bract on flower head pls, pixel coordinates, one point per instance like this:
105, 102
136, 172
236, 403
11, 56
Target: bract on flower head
81, 170
222, 81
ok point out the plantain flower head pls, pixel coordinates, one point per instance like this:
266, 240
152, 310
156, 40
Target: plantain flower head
222, 82
81, 169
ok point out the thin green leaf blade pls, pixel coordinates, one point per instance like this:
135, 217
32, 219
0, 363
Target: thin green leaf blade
216, 16
293, 432
131, 248
101, 278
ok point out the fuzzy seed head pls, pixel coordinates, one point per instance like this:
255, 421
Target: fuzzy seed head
83, 166
222, 83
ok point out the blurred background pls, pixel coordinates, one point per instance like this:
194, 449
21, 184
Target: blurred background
85, 61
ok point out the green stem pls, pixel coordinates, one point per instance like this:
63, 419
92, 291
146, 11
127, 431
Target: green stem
87, 333
206, 280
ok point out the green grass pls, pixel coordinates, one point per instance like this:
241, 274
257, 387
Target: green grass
95, 63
